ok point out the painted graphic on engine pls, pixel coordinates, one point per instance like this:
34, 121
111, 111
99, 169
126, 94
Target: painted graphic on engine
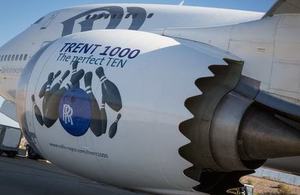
75, 106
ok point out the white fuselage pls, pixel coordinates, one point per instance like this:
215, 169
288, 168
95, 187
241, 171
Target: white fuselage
15, 54
142, 155
270, 49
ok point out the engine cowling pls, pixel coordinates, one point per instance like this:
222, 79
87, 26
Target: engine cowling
137, 110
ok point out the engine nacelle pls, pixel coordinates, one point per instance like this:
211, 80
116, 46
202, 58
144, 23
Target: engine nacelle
134, 109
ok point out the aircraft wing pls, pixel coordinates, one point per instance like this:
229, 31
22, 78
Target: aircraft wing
8, 116
284, 7
8, 108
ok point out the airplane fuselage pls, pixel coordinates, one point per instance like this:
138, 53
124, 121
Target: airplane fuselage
195, 42
15, 54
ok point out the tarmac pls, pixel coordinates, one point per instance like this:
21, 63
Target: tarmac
29, 177
23, 176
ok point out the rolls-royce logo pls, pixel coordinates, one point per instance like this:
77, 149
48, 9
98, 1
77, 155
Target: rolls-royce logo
67, 114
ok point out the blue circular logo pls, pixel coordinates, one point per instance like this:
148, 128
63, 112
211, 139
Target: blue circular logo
75, 112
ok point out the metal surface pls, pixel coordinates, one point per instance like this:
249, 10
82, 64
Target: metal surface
136, 131
203, 107
263, 136
9, 109
284, 7
248, 87
225, 130
21, 98
287, 108
267, 46
290, 165
4, 139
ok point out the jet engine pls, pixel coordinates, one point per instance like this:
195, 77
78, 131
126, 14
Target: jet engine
149, 112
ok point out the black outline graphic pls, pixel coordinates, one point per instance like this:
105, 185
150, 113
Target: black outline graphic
114, 14
52, 95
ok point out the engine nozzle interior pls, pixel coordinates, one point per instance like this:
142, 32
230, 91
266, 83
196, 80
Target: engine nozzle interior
264, 136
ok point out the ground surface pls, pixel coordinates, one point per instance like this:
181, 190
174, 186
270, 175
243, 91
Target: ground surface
267, 187
28, 177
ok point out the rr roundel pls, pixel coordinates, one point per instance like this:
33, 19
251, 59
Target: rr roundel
75, 112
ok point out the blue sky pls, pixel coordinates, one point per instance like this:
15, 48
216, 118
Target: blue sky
16, 15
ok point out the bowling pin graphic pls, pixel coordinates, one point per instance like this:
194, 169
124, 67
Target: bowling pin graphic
57, 74
52, 112
37, 111
103, 117
58, 84
110, 92
74, 70
47, 92
75, 78
43, 89
98, 123
114, 127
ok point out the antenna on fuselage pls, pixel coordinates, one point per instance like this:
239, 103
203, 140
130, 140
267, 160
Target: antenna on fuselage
181, 3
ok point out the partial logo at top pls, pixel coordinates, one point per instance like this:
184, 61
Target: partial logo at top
113, 14
78, 109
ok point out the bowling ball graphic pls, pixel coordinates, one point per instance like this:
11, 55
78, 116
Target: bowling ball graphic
75, 112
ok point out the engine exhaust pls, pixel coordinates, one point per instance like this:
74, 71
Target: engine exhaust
263, 136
